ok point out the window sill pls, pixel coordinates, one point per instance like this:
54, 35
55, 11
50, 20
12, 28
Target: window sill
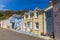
29, 18
36, 29
36, 18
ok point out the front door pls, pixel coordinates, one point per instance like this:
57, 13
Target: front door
13, 25
28, 26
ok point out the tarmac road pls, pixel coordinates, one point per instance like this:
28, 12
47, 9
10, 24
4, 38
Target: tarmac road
11, 35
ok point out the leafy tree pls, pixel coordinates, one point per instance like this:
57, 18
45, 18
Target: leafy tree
7, 14
20, 12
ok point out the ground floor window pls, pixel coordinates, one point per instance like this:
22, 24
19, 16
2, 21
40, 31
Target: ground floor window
28, 23
37, 25
25, 24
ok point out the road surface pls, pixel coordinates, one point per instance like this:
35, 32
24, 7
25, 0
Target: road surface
11, 35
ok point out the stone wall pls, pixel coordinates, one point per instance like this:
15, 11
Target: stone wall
56, 10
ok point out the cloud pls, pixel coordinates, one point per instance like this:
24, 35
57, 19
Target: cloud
3, 7
5, 1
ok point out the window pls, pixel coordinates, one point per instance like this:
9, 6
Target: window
30, 16
49, 14
28, 24
37, 25
25, 24
37, 14
24, 17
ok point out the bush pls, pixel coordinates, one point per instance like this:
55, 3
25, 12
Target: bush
31, 30
52, 35
8, 27
43, 34
15, 28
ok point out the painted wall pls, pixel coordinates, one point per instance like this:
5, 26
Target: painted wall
33, 22
17, 22
50, 21
40, 21
6, 23
25, 22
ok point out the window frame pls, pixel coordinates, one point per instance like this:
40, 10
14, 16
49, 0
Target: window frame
28, 24
25, 24
30, 16
37, 14
37, 25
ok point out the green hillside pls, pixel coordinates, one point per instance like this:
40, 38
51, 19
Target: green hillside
7, 14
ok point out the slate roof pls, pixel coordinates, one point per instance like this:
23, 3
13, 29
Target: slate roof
32, 12
48, 8
29, 12
16, 15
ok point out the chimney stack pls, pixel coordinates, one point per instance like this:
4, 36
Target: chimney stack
50, 3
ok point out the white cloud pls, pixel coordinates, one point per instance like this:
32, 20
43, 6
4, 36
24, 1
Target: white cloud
3, 7
5, 1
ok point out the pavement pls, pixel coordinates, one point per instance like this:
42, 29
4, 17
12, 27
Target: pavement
11, 35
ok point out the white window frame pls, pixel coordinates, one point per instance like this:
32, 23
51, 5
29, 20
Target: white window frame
37, 15
36, 26
30, 16
25, 24
28, 25
24, 17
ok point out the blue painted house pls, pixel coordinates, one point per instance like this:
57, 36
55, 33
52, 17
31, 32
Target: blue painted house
16, 21
50, 19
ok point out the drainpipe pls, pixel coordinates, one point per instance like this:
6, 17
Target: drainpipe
32, 23
43, 21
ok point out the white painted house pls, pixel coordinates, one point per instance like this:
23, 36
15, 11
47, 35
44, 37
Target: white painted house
5, 23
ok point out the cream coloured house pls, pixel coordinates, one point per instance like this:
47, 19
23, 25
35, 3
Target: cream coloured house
27, 21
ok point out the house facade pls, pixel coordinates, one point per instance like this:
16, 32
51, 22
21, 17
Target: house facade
27, 21
13, 22
49, 20
39, 21
16, 22
5, 23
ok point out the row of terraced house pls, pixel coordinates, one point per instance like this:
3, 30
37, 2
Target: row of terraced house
38, 21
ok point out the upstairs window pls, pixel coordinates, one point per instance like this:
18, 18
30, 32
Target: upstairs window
49, 14
37, 14
30, 15
26, 16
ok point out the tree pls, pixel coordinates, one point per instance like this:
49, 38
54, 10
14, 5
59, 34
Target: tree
20, 12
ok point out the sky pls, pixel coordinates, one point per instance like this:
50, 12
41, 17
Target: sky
23, 4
